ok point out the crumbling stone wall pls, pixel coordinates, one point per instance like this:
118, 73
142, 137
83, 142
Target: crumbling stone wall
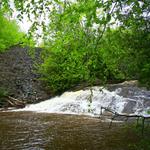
18, 76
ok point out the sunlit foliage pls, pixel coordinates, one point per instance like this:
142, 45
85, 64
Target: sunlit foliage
9, 33
90, 40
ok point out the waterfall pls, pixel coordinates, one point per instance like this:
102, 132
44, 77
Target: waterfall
78, 102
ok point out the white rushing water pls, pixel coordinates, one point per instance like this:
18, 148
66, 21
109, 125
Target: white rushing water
79, 102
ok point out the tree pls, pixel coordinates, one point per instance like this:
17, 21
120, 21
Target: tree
128, 13
71, 57
77, 36
9, 33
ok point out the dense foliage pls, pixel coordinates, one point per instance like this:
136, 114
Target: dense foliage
71, 57
9, 33
90, 40
80, 52
126, 54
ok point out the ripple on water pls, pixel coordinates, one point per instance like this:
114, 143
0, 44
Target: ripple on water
39, 131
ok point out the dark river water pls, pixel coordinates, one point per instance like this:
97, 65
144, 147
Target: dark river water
41, 131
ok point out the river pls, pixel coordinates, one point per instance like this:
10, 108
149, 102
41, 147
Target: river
43, 131
70, 122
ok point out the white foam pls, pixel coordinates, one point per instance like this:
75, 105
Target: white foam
78, 103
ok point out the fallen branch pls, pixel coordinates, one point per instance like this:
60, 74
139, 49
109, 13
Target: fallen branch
116, 114
13, 102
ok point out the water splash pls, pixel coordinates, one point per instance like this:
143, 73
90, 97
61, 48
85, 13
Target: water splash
78, 102
122, 100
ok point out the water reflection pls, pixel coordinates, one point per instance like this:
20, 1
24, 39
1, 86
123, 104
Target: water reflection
37, 131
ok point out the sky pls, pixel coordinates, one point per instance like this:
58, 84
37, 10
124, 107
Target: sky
25, 24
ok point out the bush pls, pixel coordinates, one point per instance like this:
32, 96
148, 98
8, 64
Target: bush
9, 33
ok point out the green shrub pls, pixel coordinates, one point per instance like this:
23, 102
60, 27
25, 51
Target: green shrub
9, 33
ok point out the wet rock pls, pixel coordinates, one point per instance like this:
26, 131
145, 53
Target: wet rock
132, 83
129, 107
146, 103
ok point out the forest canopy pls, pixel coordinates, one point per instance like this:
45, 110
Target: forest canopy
89, 41
101, 12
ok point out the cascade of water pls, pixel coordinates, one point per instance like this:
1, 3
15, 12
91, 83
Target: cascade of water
78, 102
121, 100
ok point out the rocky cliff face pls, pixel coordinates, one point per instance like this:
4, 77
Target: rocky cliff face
18, 77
